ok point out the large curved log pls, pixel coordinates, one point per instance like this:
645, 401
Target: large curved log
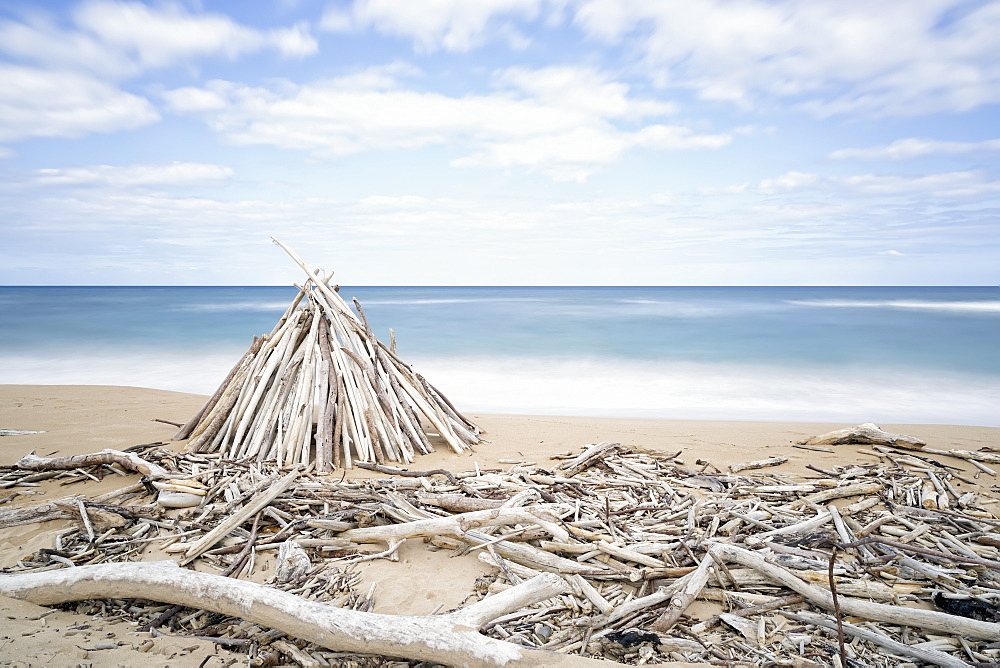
127, 460
451, 639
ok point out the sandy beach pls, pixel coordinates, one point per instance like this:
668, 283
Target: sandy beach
83, 419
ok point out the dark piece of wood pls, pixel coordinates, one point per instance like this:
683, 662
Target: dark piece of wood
392, 470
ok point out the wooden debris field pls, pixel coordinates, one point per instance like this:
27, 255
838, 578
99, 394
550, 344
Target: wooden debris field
890, 563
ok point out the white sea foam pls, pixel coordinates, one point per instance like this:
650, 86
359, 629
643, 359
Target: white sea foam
668, 309
984, 306
448, 300
199, 373
278, 307
672, 390
594, 387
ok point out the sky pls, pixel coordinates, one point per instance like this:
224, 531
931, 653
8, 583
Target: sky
501, 142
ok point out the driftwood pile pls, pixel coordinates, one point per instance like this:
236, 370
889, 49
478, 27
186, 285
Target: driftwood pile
598, 555
322, 388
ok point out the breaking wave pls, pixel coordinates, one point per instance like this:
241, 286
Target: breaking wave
906, 304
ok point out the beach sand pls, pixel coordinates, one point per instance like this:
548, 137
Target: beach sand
82, 419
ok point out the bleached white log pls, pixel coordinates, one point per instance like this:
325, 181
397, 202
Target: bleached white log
452, 639
867, 433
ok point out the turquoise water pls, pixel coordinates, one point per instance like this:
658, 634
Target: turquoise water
901, 354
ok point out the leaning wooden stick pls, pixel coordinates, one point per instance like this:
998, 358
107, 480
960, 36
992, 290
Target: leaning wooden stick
928, 655
926, 619
256, 505
452, 639
694, 582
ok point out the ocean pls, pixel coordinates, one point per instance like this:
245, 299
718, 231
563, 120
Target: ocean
831, 354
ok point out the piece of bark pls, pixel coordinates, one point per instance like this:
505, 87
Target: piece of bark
866, 434
853, 489
759, 464
451, 639
457, 503
292, 563
532, 557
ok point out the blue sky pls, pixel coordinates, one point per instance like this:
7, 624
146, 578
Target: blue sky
621, 142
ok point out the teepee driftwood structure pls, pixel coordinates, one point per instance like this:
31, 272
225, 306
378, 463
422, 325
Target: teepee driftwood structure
321, 387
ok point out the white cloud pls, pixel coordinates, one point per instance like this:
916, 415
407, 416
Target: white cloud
787, 182
894, 253
582, 89
170, 174
907, 149
163, 36
829, 56
836, 56
192, 100
961, 185
947, 184
40, 41
563, 121
676, 137
387, 234
66, 88
450, 25
117, 39
41, 103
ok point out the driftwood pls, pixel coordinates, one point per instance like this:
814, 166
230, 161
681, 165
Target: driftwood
126, 460
867, 433
930, 656
457, 525
239, 517
640, 529
758, 464
175, 490
452, 639
321, 388
925, 619
43, 512
685, 596
587, 458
